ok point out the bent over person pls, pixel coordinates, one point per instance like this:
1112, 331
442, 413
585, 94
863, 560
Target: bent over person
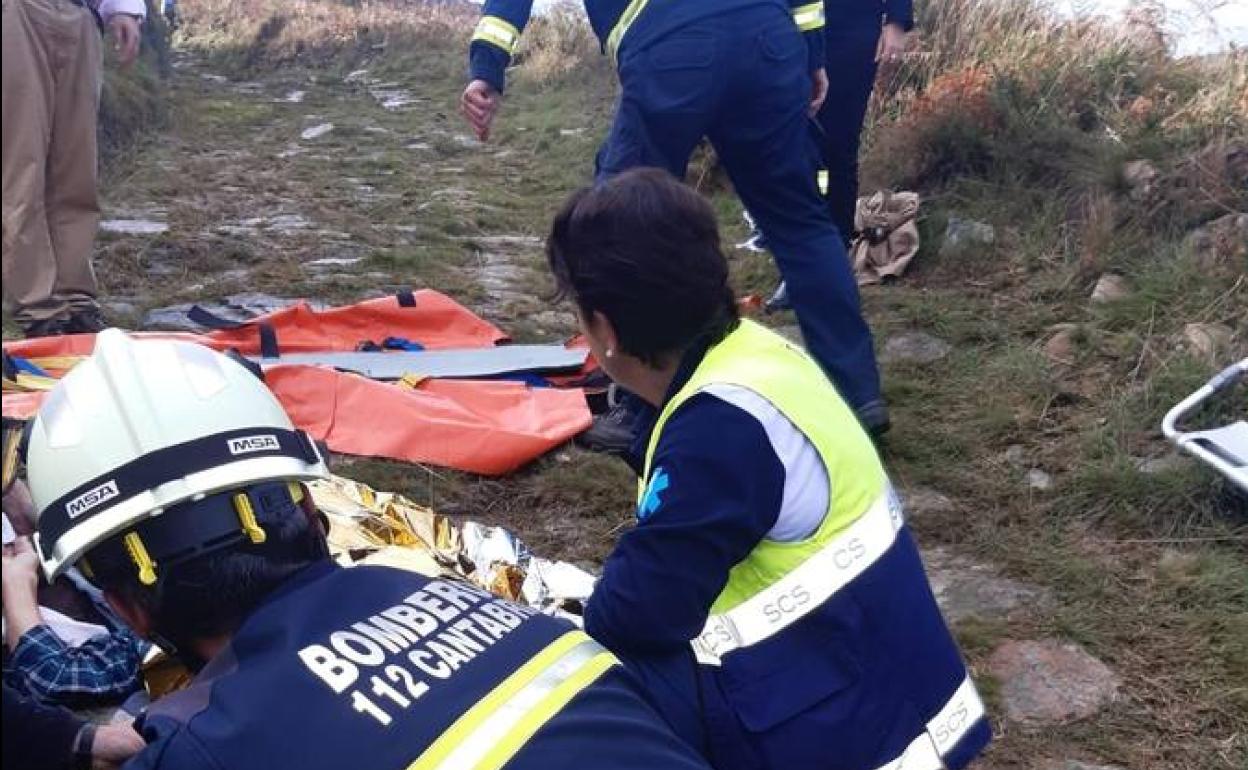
174, 478
51, 209
770, 551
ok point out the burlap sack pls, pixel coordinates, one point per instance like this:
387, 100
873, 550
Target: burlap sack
888, 236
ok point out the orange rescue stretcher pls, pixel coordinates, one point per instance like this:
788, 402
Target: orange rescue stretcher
489, 427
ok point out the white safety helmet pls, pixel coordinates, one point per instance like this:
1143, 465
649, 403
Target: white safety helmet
144, 425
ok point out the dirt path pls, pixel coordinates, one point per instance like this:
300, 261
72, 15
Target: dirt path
327, 186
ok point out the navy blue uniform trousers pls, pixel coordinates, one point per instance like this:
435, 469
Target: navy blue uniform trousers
741, 80
850, 44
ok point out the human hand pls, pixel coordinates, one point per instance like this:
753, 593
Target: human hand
480, 104
126, 37
892, 45
819, 90
114, 744
20, 580
20, 568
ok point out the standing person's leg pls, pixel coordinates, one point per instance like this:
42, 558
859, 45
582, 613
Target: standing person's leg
667, 96
850, 56
763, 138
73, 203
29, 263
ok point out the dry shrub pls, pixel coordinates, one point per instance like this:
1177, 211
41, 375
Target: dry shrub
251, 34
1008, 91
557, 44
942, 131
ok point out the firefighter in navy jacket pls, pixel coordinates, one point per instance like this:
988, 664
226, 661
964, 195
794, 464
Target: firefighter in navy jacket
174, 478
770, 551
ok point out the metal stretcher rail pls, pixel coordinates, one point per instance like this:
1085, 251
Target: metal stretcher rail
1225, 448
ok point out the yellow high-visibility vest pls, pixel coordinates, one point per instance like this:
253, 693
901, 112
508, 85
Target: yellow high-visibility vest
781, 582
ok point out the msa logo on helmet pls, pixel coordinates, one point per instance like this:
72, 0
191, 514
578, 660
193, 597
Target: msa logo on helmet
91, 499
264, 442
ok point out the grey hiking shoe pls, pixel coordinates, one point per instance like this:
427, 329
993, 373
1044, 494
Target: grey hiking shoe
613, 431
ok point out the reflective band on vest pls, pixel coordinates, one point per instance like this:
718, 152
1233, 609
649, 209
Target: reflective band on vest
500, 32
955, 719
489, 734
805, 588
808, 17
627, 18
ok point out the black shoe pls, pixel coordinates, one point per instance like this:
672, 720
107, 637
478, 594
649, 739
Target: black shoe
874, 418
51, 327
88, 321
613, 432
780, 300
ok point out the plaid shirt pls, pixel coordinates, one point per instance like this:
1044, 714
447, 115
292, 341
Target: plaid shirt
104, 668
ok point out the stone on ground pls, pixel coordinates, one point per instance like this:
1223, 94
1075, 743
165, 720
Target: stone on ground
924, 501
133, 226
317, 131
1207, 340
1050, 682
1141, 178
1060, 348
914, 348
967, 590
1222, 241
1039, 480
1110, 288
965, 235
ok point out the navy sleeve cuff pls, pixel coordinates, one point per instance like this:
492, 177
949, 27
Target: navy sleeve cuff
814, 44
899, 12
488, 63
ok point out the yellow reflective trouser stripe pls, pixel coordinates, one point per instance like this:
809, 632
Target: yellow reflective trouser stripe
489, 734
57, 362
822, 180
626, 20
12, 443
809, 17
499, 32
23, 383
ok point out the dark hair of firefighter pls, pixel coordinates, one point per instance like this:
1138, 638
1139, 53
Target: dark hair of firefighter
643, 249
210, 595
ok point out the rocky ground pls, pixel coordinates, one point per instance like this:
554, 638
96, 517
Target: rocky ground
1095, 646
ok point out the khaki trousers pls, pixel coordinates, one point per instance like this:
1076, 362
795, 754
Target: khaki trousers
52, 69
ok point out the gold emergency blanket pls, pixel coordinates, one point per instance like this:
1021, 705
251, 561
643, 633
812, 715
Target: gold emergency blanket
371, 527
889, 236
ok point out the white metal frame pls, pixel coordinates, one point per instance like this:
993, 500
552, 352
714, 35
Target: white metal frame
1225, 449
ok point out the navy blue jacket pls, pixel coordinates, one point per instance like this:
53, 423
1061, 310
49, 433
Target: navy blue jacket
273, 699
845, 688
856, 13
488, 61
37, 737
